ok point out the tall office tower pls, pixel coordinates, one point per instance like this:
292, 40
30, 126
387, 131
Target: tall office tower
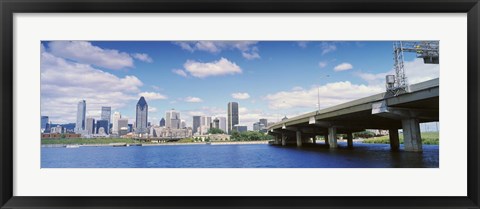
206, 121
216, 123
183, 124
264, 122
43, 123
90, 126
116, 116
172, 119
122, 126
196, 123
81, 112
142, 116
162, 122
256, 126
232, 113
106, 114
102, 127
223, 124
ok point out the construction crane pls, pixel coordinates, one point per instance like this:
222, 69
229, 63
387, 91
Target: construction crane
427, 50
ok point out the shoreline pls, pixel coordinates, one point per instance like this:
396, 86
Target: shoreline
150, 144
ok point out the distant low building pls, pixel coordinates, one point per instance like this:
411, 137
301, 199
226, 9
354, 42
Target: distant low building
102, 127
58, 136
57, 130
239, 128
213, 137
165, 132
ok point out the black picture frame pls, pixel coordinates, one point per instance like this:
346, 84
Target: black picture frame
10, 7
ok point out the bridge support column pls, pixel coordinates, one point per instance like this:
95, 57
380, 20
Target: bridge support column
350, 140
326, 139
299, 138
394, 140
284, 140
314, 139
411, 135
332, 137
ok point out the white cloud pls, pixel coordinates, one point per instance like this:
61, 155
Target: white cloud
180, 72
330, 94
65, 83
344, 66
193, 99
240, 95
142, 57
152, 95
416, 71
251, 54
297, 88
152, 109
42, 48
85, 52
322, 64
247, 48
216, 68
302, 44
374, 79
156, 87
327, 47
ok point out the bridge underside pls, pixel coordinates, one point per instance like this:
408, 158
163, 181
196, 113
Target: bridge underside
391, 113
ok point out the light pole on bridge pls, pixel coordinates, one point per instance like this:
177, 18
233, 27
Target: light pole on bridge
318, 90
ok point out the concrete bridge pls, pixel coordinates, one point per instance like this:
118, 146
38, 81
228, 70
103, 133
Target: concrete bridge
381, 111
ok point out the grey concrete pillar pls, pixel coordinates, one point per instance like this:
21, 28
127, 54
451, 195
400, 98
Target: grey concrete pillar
284, 140
299, 138
332, 137
350, 139
326, 139
394, 140
411, 135
314, 139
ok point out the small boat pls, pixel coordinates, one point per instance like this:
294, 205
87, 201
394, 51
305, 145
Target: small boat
208, 143
72, 146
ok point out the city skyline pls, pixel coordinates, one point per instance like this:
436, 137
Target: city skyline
200, 78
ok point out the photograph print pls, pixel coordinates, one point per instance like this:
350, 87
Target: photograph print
239, 104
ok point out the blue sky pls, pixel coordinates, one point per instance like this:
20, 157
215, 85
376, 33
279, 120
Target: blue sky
268, 79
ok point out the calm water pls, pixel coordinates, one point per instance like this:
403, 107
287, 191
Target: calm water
238, 156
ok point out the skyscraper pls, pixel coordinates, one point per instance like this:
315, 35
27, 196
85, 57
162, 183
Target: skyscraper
232, 114
256, 126
196, 123
206, 121
223, 124
122, 125
216, 123
106, 114
162, 122
115, 127
81, 112
264, 122
172, 119
142, 116
90, 126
